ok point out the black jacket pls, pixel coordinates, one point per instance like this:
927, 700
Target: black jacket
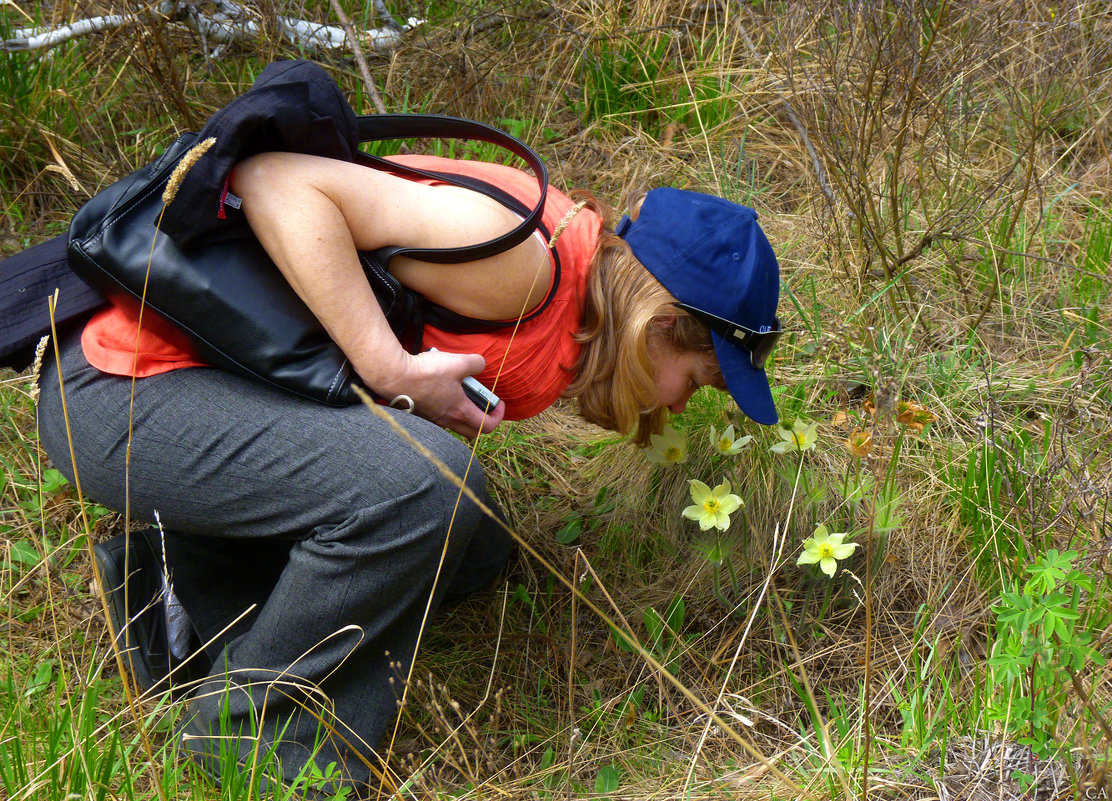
294, 107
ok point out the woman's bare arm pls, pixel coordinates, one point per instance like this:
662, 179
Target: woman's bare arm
312, 214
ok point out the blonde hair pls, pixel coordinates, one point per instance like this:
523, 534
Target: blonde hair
614, 375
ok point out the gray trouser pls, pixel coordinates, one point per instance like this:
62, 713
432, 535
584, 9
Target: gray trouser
323, 517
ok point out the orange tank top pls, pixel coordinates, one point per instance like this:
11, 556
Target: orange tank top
529, 367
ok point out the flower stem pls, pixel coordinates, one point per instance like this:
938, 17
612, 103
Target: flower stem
801, 475
734, 584
716, 584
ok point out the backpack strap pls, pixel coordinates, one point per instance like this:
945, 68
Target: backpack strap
439, 316
380, 127
409, 311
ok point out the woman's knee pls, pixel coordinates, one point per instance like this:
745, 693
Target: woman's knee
465, 469
454, 465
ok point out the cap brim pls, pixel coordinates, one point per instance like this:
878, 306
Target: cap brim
747, 385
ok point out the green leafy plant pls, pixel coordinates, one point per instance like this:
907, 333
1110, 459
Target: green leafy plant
1042, 644
577, 524
608, 780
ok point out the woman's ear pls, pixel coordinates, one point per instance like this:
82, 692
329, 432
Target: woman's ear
663, 322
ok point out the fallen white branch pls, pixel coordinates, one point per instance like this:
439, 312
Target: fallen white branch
230, 22
38, 38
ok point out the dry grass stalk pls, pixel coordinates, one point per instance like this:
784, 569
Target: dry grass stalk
188, 161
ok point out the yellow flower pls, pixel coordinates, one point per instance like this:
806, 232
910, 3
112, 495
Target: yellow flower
668, 448
825, 549
859, 443
799, 437
725, 443
711, 507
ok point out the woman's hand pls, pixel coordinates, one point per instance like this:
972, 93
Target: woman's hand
434, 380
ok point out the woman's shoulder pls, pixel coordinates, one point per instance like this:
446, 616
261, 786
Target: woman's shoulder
579, 226
516, 181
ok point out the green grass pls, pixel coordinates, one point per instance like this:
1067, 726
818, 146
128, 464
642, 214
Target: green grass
652, 79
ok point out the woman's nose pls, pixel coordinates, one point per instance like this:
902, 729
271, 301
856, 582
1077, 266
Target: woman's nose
681, 404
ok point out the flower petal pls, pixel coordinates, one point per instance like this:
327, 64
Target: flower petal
699, 491
808, 557
828, 566
730, 503
845, 550
667, 448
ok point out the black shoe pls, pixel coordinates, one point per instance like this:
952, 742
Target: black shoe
139, 620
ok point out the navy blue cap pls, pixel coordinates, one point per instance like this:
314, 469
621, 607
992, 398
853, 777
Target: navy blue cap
713, 257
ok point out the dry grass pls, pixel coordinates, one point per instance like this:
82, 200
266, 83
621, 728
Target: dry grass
931, 175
